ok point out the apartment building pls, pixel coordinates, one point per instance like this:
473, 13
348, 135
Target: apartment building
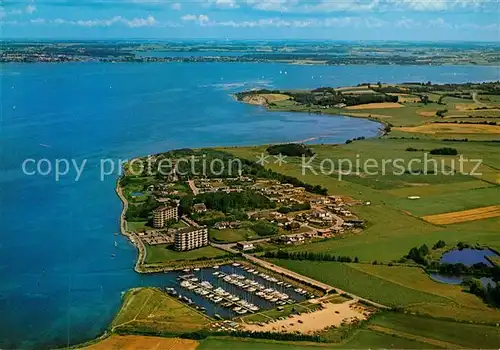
162, 215
189, 238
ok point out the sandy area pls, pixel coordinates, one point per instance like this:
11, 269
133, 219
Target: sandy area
138, 342
464, 215
330, 315
428, 113
376, 105
452, 128
264, 99
465, 106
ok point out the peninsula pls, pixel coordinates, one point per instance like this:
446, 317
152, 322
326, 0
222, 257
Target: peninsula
263, 253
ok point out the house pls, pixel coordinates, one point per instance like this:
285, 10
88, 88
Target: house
318, 214
245, 246
200, 207
227, 224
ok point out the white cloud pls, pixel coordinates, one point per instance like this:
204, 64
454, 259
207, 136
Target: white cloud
176, 6
368, 22
231, 4
149, 21
271, 5
200, 19
38, 21
189, 18
30, 9
340, 6
406, 23
331, 6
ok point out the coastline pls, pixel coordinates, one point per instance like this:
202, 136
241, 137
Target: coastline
141, 250
383, 130
141, 267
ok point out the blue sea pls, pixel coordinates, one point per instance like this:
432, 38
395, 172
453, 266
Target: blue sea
60, 283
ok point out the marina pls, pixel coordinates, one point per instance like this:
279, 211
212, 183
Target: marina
228, 291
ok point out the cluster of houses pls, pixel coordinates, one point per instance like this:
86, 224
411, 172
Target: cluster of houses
227, 185
221, 225
327, 216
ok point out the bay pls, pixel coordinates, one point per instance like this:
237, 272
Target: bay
59, 283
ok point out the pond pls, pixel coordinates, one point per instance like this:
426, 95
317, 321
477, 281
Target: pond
468, 256
459, 279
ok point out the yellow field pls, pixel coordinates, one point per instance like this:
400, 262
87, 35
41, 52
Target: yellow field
139, 342
264, 99
376, 105
465, 106
428, 113
452, 129
464, 215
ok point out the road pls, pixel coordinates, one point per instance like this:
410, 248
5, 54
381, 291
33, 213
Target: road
299, 277
476, 100
136, 241
193, 187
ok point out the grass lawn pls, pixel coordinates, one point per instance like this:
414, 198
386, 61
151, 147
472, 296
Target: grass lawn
449, 202
269, 315
362, 339
232, 235
407, 287
461, 334
164, 253
253, 344
179, 224
151, 310
138, 226
358, 282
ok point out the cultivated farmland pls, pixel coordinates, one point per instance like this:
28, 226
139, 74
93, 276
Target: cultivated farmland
463, 216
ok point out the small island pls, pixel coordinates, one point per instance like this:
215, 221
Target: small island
260, 253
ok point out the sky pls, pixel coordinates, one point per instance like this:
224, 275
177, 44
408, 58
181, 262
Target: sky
412, 20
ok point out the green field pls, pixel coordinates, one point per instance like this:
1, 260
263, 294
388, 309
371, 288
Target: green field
460, 334
151, 310
163, 253
449, 202
269, 315
138, 226
232, 235
392, 223
362, 339
401, 286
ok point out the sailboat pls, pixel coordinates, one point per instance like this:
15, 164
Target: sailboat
116, 244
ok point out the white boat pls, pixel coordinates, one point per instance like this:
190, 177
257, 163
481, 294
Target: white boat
197, 269
216, 266
216, 273
206, 284
185, 284
236, 264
